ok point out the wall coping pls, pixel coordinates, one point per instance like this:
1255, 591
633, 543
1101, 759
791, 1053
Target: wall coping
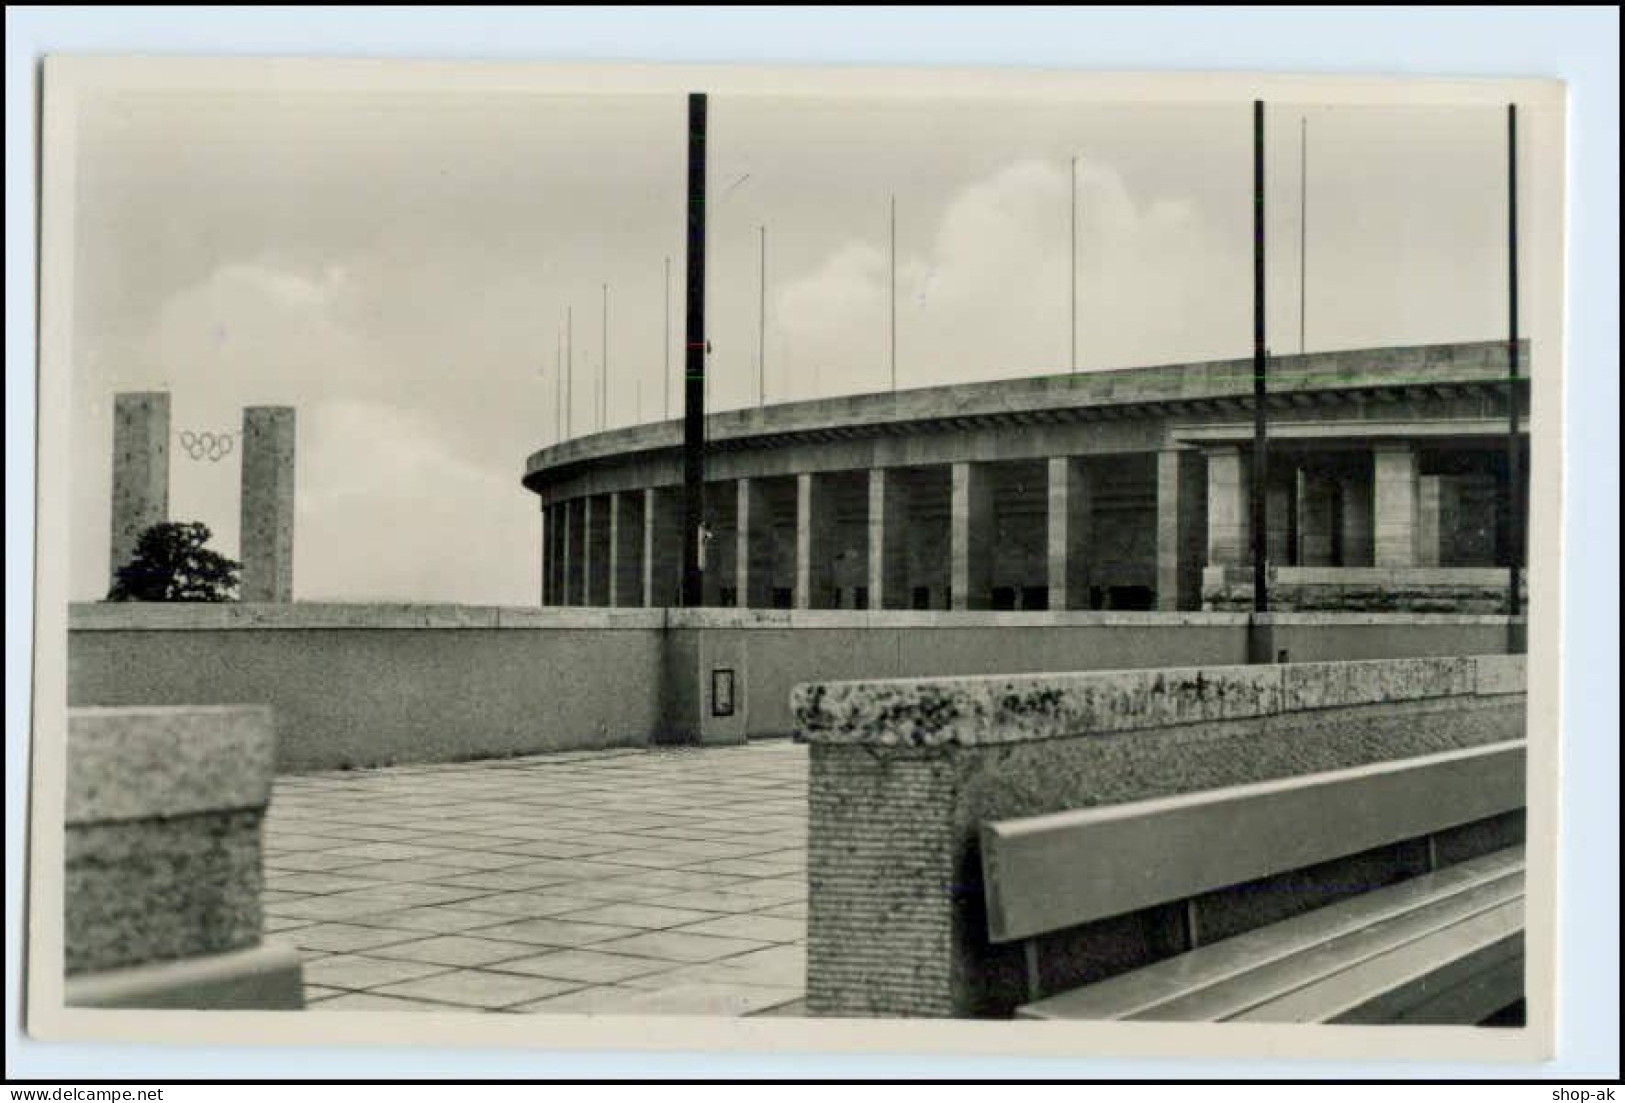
100, 616
138, 763
995, 709
97, 616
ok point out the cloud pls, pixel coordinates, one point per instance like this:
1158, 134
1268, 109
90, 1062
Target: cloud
988, 296
387, 511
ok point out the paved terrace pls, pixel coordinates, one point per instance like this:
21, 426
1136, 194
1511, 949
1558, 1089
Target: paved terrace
645, 882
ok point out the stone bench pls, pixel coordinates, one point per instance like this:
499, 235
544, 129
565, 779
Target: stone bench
1440, 947
905, 773
163, 865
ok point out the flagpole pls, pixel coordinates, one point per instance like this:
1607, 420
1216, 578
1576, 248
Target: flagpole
569, 371
1303, 228
603, 368
894, 293
761, 326
666, 361
1260, 367
1073, 208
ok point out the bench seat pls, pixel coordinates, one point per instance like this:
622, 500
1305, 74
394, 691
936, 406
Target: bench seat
1443, 947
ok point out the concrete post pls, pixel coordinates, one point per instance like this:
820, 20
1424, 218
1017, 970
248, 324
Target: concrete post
662, 546
970, 536
1229, 513
574, 514
889, 523
1070, 535
1181, 528
815, 542
1280, 500
754, 558
547, 557
626, 548
266, 503
1317, 520
1395, 504
1355, 492
140, 471
597, 558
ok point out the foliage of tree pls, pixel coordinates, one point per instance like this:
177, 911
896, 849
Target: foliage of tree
171, 564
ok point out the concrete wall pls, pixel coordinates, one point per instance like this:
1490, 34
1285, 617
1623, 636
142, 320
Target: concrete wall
903, 774
363, 685
372, 685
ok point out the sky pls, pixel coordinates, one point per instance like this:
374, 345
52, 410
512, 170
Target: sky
402, 269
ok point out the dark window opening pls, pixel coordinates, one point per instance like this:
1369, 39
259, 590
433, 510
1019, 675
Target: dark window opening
922, 597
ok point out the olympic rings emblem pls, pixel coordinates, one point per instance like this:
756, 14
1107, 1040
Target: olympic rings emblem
206, 445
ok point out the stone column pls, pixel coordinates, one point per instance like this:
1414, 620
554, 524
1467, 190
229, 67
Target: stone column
626, 548
815, 542
1356, 519
1395, 504
547, 557
1069, 529
1280, 498
753, 561
1431, 494
574, 546
662, 546
266, 503
971, 536
1181, 528
140, 471
889, 524
597, 558
1229, 508
1317, 519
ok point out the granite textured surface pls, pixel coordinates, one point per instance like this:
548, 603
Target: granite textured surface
1006, 709
140, 763
897, 924
154, 890
163, 818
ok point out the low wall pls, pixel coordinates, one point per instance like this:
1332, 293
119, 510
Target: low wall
367, 685
371, 685
162, 869
904, 772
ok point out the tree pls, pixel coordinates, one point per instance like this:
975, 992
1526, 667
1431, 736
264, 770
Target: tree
171, 564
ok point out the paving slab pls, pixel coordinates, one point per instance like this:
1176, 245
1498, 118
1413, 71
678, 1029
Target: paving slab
665, 881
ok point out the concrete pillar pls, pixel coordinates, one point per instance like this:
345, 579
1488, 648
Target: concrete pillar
753, 561
1394, 486
1431, 494
1069, 529
574, 550
815, 542
1229, 508
1181, 528
266, 503
889, 527
1354, 493
597, 557
140, 471
971, 536
1280, 502
1317, 518
626, 543
550, 555
662, 546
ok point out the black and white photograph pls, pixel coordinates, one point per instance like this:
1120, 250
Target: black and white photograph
566, 554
